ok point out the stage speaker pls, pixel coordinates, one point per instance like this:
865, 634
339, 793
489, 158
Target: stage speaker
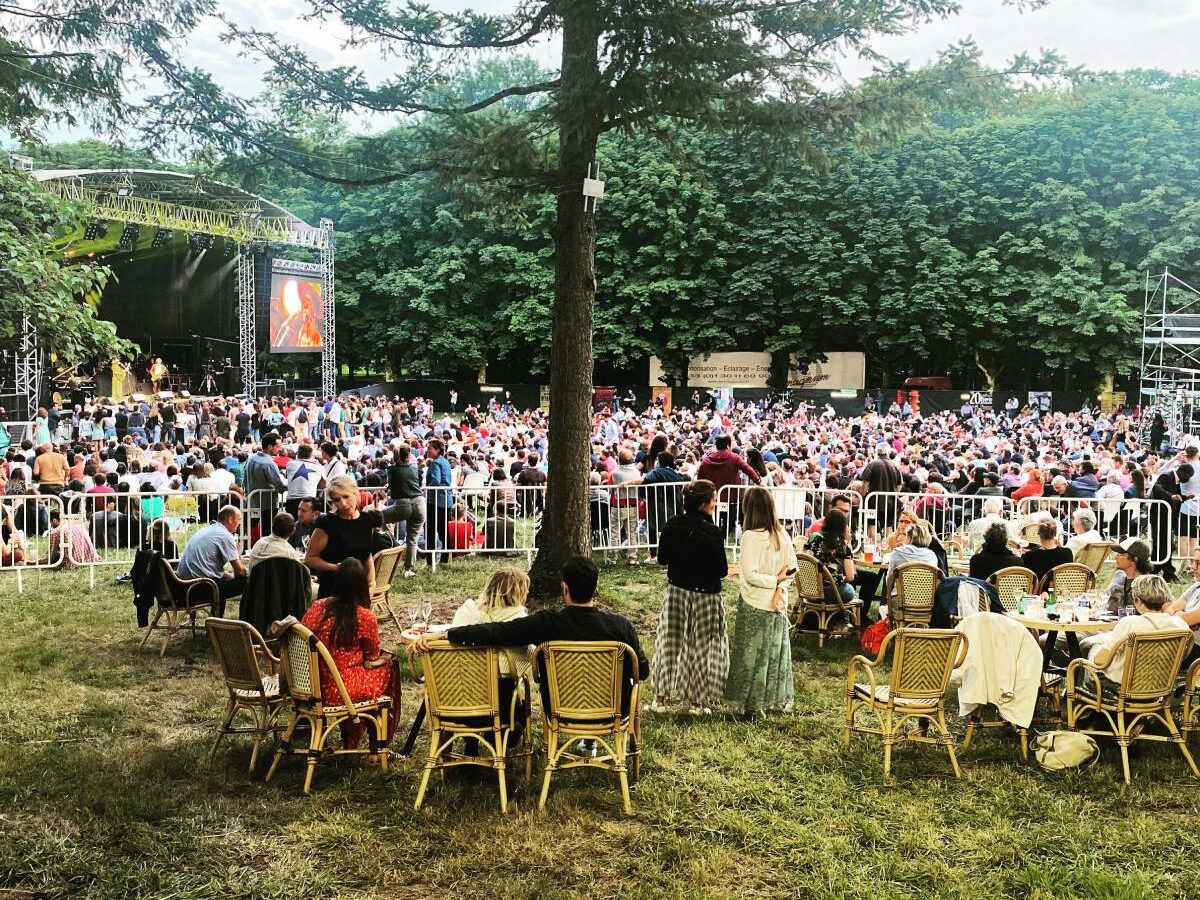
231, 381
165, 395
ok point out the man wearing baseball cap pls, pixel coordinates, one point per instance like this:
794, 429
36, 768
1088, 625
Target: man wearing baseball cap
1133, 559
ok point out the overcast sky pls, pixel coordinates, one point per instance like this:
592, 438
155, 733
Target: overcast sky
1095, 34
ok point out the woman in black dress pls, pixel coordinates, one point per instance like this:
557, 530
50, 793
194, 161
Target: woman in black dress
345, 532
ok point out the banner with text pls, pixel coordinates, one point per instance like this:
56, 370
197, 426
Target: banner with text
842, 370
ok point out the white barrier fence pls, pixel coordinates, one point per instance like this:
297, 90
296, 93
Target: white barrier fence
1115, 519
504, 519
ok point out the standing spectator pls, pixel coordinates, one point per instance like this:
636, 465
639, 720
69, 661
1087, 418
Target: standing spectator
344, 532
760, 668
303, 475
691, 649
623, 509
725, 468
264, 485
438, 482
404, 488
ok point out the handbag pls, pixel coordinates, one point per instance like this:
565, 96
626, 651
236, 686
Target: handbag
873, 635
1059, 750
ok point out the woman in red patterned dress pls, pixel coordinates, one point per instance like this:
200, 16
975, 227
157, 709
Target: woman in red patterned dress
345, 624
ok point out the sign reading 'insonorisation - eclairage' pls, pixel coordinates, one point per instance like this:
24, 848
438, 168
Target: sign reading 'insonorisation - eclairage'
840, 371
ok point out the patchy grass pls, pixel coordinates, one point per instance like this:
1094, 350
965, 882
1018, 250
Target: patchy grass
105, 792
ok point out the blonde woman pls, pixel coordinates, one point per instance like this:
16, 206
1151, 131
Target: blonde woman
502, 600
1151, 597
340, 534
760, 667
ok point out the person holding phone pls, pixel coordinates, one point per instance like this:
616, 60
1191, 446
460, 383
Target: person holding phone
691, 649
760, 667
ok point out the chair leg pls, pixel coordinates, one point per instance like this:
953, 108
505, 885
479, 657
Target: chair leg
284, 745
944, 733
435, 743
887, 745
172, 627
381, 730
150, 629
230, 712
619, 748
971, 720
499, 763
551, 763
1123, 741
315, 743
1180, 742
849, 726
263, 724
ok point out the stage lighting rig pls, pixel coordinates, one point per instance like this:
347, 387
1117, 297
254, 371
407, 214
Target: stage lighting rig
95, 230
230, 247
162, 237
129, 236
199, 242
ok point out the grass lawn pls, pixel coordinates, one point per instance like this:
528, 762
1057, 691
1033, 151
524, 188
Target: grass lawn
105, 791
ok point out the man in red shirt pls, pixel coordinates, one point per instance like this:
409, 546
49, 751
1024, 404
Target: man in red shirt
724, 467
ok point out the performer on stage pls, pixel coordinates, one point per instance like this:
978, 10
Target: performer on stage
158, 371
119, 371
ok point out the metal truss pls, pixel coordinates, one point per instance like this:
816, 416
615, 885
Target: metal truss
248, 349
1170, 380
329, 339
241, 226
28, 366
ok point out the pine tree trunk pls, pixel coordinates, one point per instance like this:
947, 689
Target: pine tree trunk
566, 529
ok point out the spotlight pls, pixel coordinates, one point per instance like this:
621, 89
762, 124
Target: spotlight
230, 248
95, 230
162, 237
129, 236
198, 242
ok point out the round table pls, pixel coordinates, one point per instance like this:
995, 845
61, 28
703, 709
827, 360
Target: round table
1071, 629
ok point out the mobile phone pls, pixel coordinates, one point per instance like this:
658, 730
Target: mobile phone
791, 571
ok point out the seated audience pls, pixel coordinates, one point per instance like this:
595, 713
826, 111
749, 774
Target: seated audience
994, 554
277, 544
1049, 553
210, 549
345, 624
1150, 595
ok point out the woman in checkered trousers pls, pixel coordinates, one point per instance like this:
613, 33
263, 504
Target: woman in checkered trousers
691, 651
760, 673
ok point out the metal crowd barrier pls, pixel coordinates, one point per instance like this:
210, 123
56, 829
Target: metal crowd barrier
1116, 519
26, 539
794, 508
956, 520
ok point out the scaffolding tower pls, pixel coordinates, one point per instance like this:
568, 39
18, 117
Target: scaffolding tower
1170, 380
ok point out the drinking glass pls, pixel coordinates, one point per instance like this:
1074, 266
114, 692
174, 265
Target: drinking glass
427, 611
417, 613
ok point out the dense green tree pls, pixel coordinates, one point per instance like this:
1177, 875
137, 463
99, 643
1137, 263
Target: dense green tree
59, 299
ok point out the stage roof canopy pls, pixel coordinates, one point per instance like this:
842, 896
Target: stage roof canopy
176, 201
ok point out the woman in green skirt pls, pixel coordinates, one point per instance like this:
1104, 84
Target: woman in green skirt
760, 668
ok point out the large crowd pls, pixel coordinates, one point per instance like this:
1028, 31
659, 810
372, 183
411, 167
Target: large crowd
319, 482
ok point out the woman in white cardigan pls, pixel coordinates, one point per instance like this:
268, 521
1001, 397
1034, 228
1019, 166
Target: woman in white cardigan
760, 668
502, 600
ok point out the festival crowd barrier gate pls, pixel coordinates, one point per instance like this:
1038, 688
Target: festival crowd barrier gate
26, 539
1116, 519
504, 519
958, 521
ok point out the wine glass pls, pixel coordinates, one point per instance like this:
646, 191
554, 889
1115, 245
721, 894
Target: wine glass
427, 611
415, 613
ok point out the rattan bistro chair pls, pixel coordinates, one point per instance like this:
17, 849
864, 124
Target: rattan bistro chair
814, 589
915, 586
1151, 667
1094, 555
922, 660
1069, 580
179, 600
241, 651
1191, 701
385, 565
1012, 582
582, 685
463, 700
300, 656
